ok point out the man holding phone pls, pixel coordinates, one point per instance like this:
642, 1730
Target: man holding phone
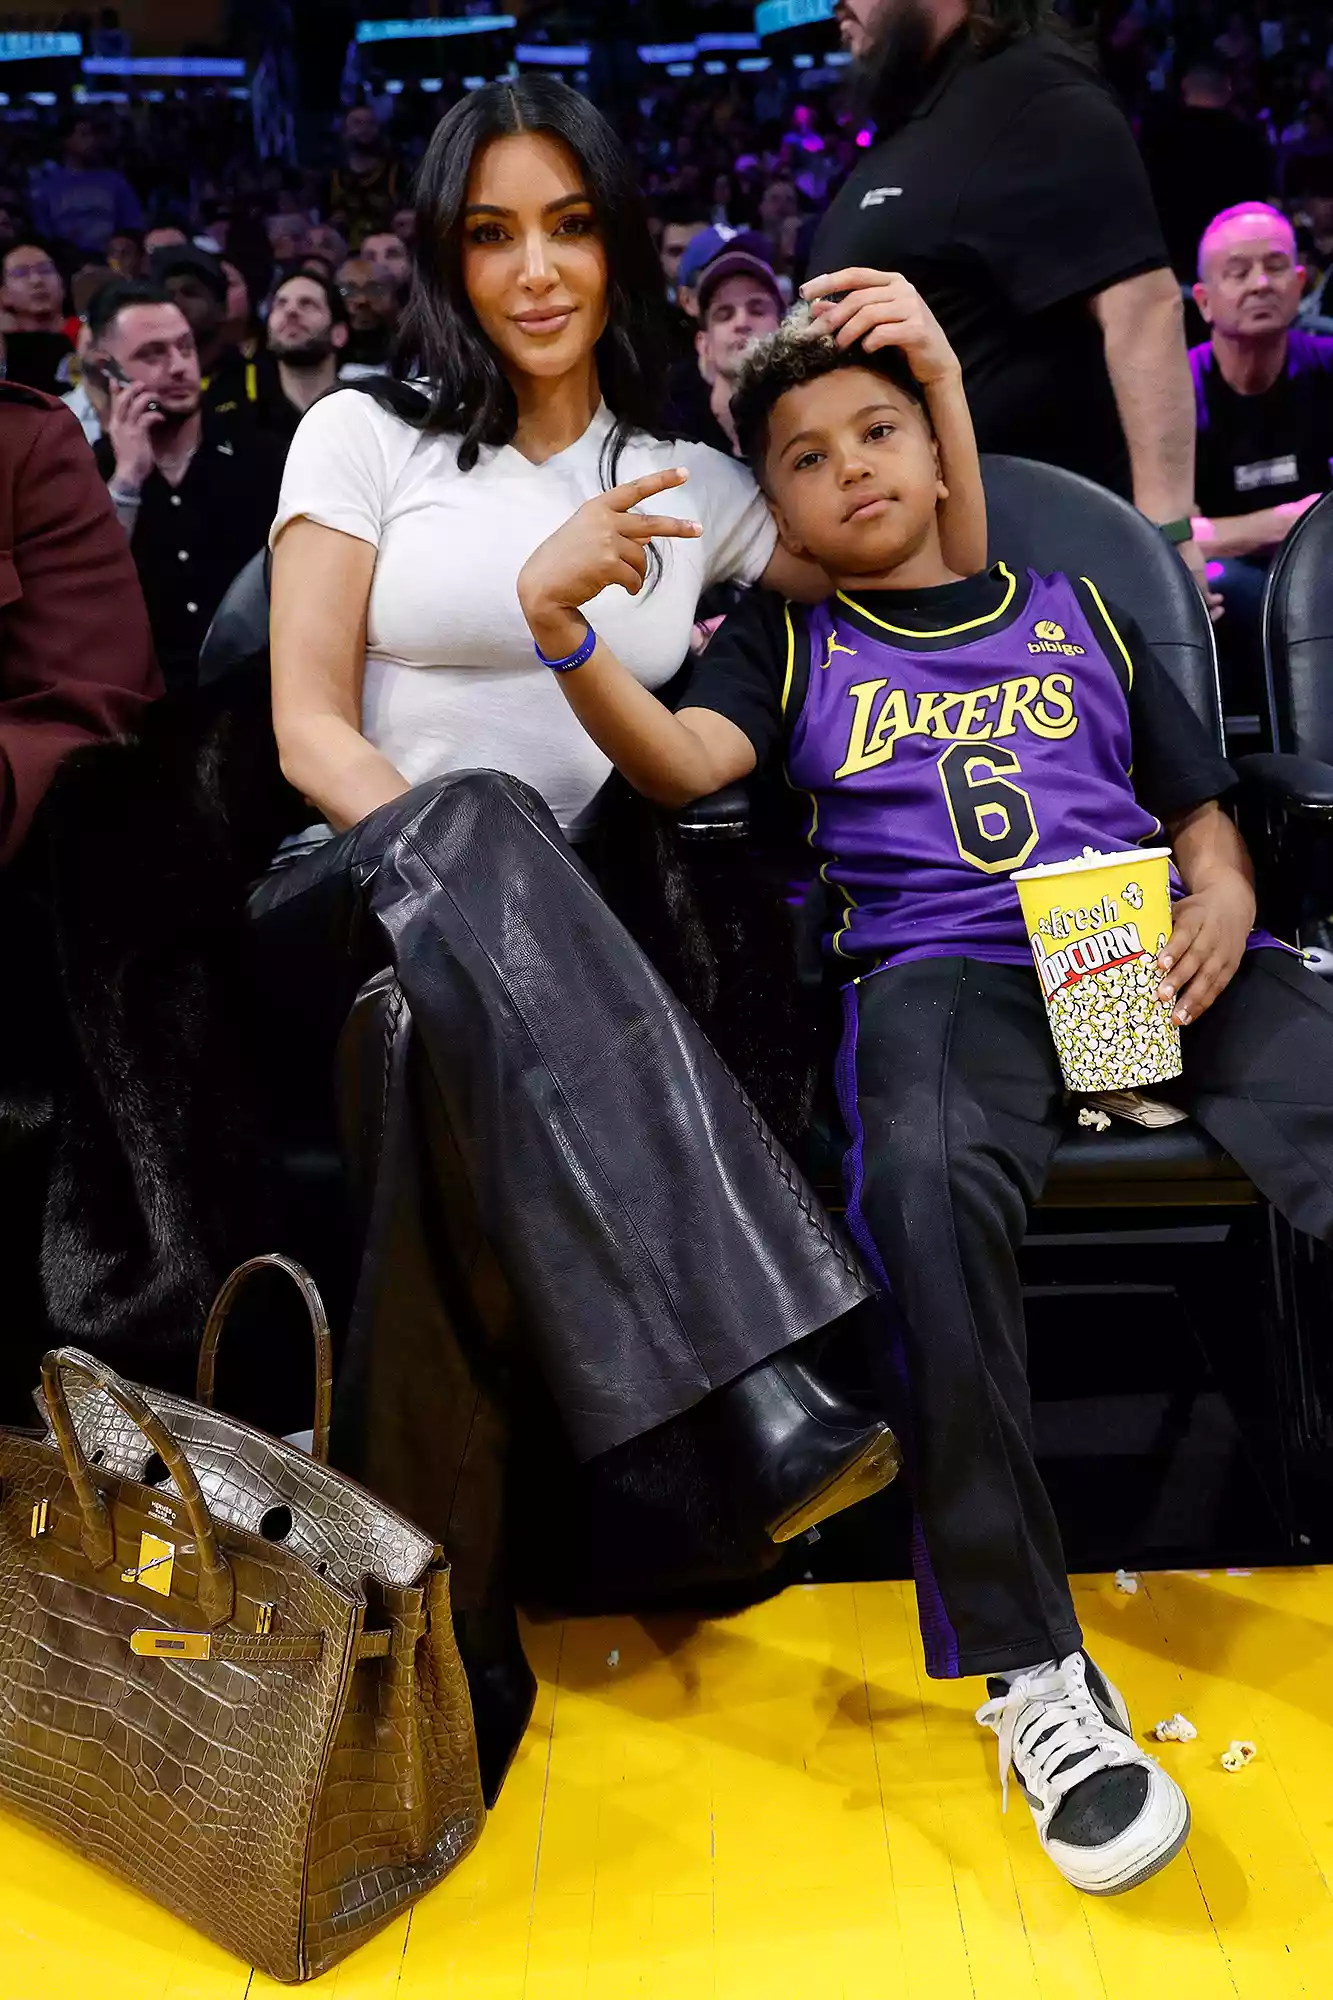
195, 496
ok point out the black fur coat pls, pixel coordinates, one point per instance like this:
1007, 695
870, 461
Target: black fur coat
127, 1134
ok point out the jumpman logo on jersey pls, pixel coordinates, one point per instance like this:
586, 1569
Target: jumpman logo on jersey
834, 647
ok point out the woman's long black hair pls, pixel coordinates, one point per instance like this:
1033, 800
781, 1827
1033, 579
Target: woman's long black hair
440, 344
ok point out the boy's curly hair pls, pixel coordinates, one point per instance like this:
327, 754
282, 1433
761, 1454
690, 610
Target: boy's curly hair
799, 352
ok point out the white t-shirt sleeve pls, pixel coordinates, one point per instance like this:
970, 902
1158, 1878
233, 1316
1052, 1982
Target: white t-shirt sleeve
739, 533
337, 470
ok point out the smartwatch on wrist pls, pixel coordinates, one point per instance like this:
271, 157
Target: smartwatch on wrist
1177, 532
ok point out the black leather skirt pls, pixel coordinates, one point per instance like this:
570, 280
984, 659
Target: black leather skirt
523, 1078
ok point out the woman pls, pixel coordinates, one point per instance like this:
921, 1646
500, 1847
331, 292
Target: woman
659, 1244
538, 321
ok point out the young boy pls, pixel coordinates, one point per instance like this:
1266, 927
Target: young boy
948, 729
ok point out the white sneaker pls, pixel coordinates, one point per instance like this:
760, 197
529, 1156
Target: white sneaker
1107, 1813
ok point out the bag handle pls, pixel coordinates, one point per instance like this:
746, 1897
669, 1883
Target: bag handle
217, 1586
319, 1327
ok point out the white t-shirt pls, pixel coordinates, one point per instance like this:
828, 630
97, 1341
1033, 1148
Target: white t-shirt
451, 680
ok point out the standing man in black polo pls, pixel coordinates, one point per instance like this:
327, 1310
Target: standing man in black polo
196, 494
1007, 187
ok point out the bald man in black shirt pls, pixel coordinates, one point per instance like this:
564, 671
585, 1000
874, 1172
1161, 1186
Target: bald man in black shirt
1264, 399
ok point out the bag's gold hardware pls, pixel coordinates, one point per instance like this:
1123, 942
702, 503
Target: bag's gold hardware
156, 1560
263, 1619
180, 1645
41, 1519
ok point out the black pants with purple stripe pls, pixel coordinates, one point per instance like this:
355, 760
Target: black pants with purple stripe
951, 1094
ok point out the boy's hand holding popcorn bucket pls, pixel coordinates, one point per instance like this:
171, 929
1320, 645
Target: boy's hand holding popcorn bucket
1096, 926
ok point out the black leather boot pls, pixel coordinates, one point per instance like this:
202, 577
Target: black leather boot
806, 1451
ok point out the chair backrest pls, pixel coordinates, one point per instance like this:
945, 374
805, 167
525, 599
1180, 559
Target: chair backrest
1049, 519
238, 635
1298, 636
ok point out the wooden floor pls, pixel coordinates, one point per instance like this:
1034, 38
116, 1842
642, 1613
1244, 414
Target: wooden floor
782, 1807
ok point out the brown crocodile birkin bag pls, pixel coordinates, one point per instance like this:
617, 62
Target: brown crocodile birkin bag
227, 1672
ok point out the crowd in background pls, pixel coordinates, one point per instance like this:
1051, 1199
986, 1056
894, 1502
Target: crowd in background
288, 277
1235, 105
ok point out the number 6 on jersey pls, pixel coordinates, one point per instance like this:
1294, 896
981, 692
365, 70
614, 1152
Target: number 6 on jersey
993, 822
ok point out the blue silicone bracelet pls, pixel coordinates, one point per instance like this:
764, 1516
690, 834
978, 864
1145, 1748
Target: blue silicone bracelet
572, 660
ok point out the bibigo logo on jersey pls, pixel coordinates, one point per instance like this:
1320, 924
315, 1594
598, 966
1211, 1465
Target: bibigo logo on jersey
1050, 638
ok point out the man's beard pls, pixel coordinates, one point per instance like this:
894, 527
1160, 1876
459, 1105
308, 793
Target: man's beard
311, 353
891, 72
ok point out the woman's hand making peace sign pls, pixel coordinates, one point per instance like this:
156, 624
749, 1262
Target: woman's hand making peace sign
605, 542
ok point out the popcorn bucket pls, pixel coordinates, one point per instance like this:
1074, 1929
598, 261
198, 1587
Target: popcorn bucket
1095, 926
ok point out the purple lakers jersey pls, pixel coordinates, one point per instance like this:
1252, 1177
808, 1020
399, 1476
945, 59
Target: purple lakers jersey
934, 774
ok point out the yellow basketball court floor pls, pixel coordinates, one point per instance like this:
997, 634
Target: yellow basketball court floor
780, 1806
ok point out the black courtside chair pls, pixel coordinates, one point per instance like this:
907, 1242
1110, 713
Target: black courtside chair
1258, 1294
1298, 638
237, 639
1133, 1211
1044, 518
1292, 781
